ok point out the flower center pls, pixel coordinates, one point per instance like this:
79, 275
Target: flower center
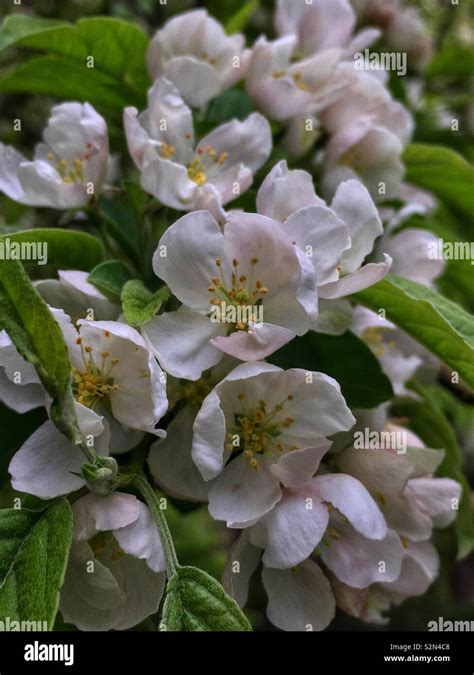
243, 290
102, 541
204, 160
94, 382
258, 430
71, 172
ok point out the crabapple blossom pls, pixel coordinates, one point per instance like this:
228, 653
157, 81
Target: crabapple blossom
322, 24
69, 166
245, 292
368, 131
115, 374
115, 575
259, 427
335, 239
186, 176
193, 51
284, 88
411, 499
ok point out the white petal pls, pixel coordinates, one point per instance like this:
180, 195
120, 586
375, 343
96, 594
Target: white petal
183, 342
299, 599
93, 513
241, 494
291, 531
366, 276
192, 245
141, 540
283, 192
44, 464
355, 207
171, 463
240, 565
351, 498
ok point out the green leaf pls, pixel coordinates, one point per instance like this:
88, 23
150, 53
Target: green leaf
110, 277
139, 304
121, 221
454, 60
195, 601
344, 357
66, 249
118, 76
437, 323
34, 550
239, 21
230, 105
32, 328
443, 172
429, 422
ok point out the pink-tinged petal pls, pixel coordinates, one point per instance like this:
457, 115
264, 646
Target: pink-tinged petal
283, 192
45, 464
357, 281
182, 342
354, 205
186, 258
248, 142
242, 562
197, 81
299, 599
258, 343
352, 499
420, 568
208, 198
322, 236
438, 497
241, 494
141, 539
383, 472
288, 280
363, 39
404, 515
358, 561
299, 466
291, 531
171, 462
209, 435
93, 513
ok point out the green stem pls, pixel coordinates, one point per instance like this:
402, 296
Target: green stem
153, 501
